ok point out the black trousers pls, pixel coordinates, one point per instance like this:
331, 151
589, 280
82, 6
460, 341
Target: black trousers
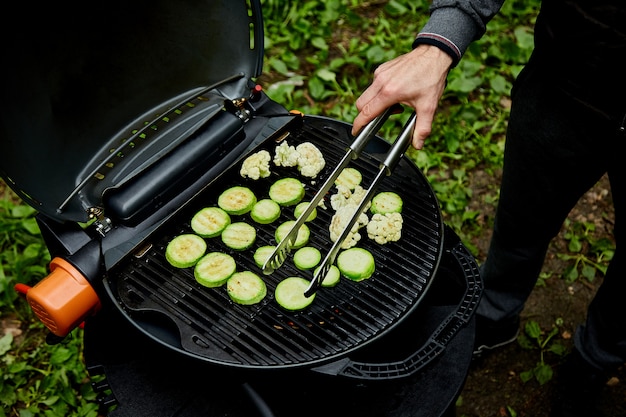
557, 148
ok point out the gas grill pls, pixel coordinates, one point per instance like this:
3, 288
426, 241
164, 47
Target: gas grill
137, 143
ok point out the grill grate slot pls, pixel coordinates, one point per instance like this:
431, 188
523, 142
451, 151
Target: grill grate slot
341, 319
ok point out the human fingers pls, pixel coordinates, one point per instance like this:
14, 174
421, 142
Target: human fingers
423, 128
369, 111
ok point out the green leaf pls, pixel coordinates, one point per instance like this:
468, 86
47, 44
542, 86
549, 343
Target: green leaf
588, 272
558, 349
60, 355
571, 273
532, 329
465, 84
22, 211
31, 226
376, 54
395, 8
525, 37
5, 343
279, 66
543, 373
575, 245
499, 84
326, 75
526, 376
316, 88
319, 43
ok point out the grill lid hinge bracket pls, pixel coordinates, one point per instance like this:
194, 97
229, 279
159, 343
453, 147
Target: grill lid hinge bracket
101, 223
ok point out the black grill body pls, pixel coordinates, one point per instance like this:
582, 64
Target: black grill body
204, 323
418, 369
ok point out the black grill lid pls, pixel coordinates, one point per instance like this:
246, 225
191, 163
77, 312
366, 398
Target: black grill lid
79, 80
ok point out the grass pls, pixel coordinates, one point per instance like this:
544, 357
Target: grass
319, 56
37, 379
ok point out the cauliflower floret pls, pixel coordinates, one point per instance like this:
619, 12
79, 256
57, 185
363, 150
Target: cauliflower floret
340, 220
347, 197
256, 165
383, 228
286, 155
310, 159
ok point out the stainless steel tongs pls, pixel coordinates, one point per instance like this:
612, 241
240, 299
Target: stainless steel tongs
386, 168
282, 250
278, 256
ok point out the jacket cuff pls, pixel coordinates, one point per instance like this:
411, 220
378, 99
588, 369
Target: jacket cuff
446, 45
450, 29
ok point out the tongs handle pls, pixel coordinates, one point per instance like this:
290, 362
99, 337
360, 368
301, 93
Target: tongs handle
278, 256
386, 168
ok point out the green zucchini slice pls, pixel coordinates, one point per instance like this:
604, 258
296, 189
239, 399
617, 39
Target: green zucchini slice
287, 191
262, 254
301, 207
386, 202
214, 269
210, 222
237, 200
332, 277
246, 288
239, 235
265, 211
350, 177
307, 258
356, 263
289, 294
302, 238
185, 250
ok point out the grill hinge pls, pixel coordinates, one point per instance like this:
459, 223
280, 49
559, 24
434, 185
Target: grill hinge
238, 108
102, 224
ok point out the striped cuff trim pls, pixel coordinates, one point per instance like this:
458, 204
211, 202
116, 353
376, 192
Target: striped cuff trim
441, 42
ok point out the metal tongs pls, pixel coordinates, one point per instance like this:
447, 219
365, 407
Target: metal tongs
276, 259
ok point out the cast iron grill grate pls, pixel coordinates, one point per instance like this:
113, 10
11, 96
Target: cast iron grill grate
205, 323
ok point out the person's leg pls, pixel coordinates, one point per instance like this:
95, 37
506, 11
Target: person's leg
600, 343
555, 151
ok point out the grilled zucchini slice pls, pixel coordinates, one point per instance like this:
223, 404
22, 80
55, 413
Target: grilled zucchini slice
301, 239
262, 254
237, 200
246, 288
332, 277
214, 269
265, 211
289, 294
210, 222
307, 258
239, 235
287, 191
349, 177
356, 263
386, 202
301, 207
185, 250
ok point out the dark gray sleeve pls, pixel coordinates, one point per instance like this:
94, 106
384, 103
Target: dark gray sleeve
454, 24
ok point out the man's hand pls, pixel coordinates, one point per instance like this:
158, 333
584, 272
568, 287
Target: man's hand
416, 79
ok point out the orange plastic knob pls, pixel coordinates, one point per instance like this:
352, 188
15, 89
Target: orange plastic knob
63, 299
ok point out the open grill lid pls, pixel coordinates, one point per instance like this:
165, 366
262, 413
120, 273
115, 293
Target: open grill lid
92, 96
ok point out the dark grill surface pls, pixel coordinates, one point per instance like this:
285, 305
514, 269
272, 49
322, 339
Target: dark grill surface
169, 305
